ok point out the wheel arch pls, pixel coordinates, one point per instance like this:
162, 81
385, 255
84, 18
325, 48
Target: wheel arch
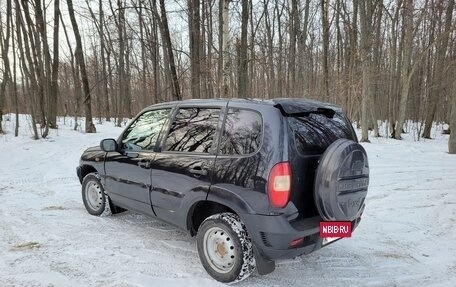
201, 210
219, 199
85, 170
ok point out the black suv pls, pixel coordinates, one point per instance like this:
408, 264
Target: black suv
252, 179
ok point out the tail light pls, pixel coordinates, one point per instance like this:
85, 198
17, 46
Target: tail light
279, 184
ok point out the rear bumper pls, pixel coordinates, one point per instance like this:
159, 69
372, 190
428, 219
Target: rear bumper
272, 235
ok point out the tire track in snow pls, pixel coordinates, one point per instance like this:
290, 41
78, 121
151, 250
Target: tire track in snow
37, 181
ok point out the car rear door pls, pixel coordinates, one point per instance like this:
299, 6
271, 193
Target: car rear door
128, 171
183, 169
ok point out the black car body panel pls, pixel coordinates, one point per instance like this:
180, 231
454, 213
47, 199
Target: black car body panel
176, 183
169, 184
128, 176
92, 160
247, 175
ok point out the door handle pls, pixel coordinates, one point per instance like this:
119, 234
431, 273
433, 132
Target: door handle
198, 170
132, 154
144, 163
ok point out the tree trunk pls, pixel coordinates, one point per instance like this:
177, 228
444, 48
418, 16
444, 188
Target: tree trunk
36, 61
14, 85
393, 71
272, 88
377, 49
405, 73
292, 60
303, 60
195, 36
89, 126
208, 62
6, 64
51, 120
280, 61
128, 48
252, 89
366, 50
103, 64
243, 84
170, 54
352, 62
29, 70
325, 27
52, 104
225, 49
122, 83
436, 85
144, 67
452, 140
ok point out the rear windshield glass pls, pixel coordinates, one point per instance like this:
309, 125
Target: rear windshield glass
313, 133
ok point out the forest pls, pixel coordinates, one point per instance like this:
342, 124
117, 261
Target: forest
391, 65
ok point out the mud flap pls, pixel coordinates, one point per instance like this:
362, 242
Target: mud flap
264, 266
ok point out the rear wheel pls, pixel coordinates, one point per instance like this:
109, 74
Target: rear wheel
225, 248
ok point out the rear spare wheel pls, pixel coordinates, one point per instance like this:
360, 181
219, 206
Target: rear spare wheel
341, 181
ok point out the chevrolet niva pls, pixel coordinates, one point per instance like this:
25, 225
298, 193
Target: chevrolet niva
252, 179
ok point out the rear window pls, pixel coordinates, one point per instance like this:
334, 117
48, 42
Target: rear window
314, 132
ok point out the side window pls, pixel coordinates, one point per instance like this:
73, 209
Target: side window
143, 133
193, 130
242, 133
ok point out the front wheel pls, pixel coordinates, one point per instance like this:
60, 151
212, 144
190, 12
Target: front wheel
225, 248
94, 197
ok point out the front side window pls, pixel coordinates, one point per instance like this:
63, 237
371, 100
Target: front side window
142, 134
193, 130
242, 133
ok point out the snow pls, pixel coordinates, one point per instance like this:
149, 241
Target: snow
407, 236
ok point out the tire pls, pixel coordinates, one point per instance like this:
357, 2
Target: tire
341, 181
96, 201
225, 233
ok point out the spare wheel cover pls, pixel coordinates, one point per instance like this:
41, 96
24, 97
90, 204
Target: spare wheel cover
341, 181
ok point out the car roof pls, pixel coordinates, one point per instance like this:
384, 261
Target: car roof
287, 105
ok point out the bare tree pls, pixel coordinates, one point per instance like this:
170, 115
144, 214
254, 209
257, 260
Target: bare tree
28, 68
6, 65
169, 53
54, 74
378, 60
14, 77
269, 50
35, 60
452, 140
437, 77
405, 73
243, 79
79, 55
325, 27
45, 68
225, 47
194, 22
366, 12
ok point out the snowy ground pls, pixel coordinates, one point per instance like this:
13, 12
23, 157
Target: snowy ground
407, 236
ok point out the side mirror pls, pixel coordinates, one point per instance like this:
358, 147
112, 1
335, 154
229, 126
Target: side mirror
108, 145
